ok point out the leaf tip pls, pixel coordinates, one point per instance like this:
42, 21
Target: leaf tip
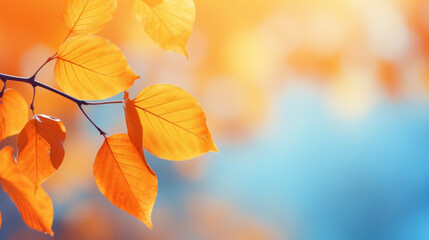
185, 52
136, 76
149, 224
213, 147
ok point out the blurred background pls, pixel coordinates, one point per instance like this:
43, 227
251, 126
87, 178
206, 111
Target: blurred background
319, 108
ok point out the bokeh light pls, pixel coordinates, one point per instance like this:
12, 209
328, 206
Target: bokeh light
319, 108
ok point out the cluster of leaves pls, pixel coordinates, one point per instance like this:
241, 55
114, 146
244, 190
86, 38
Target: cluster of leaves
162, 118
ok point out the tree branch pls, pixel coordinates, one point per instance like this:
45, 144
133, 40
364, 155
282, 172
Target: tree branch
31, 80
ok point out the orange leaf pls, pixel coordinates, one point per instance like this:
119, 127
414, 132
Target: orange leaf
90, 67
88, 16
40, 148
35, 207
0, 220
174, 123
13, 113
167, 22
134, 127
124, 179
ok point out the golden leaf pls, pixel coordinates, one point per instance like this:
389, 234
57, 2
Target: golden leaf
124, 179
35, 207
90, 67
13, 113
40, 148
88, 16
168, 22
174, 123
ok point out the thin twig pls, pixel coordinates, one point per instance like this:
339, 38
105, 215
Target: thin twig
46, 62
95, 125
65, 95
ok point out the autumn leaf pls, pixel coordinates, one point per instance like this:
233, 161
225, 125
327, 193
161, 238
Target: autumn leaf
35, 207
134, 127
174, 123
40, 148
13, 113
91, 67
124, 179
88, 16
0, 220
168, 22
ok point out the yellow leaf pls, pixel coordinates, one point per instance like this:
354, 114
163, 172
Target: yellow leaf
40, 148
35, 207
90, 67
174, 123
88, 16
13, 113
124, 179
168, 22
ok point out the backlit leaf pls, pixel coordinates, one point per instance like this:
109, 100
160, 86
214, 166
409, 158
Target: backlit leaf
13, 113
90, 67
35, 207
174, 123
124, 179
168, 22
40, 148
88, 16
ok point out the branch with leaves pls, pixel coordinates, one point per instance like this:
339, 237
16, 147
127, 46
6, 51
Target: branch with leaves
164, 119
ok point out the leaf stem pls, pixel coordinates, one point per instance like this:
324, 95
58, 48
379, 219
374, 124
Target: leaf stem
103, 103
46, 62
4, 87
32, 100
